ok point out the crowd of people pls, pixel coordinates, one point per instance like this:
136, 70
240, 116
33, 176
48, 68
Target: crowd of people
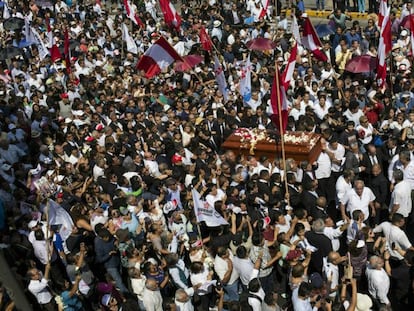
116, 157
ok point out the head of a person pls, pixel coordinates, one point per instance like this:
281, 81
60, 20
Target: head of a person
398, 220
254, 285
359, 187
318, 225
358, 215
305, 290
151, 284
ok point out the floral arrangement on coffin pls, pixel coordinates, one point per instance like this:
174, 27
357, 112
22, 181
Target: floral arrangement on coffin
300, 139
250, 137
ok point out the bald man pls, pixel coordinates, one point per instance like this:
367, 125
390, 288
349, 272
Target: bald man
152, 298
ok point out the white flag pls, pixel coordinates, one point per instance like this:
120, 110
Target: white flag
130, 43
295, 30
6, 12
246, 80
28, 35
41, 47
220, 78
205, 212
59, 216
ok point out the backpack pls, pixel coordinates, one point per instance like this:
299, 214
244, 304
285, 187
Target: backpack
244, 300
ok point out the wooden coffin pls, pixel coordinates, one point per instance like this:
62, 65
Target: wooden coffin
298, 145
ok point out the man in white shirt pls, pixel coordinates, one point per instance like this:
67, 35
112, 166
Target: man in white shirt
333, 233
401, 196
408, 164
331, 271
344, 184
301, 298
223, 265
395, 237
336, 152
378, 281
152, 298
243, 265
323, 174
38, 286
360, 197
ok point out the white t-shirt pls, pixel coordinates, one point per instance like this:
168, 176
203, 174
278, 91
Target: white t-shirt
353, 201
402, 196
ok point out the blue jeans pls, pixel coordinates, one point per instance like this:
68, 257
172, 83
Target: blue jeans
320, 5
116, 276
231, 292
361, 6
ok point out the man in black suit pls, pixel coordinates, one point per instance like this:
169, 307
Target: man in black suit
369, 159
293, 191
389, 150
233, 16
322, 243
319, 211
309, 195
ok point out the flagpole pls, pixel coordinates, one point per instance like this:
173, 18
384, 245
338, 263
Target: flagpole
281, 129
48, 252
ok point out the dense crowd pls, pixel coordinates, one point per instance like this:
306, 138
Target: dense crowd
116, 156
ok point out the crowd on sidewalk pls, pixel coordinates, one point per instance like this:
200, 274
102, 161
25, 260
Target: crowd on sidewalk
98, 164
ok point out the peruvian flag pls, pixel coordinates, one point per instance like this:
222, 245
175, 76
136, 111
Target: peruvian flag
55, 54
265, 6
310, 40
384, 47
171, 16
383, 11
66, 51
132, 15
278, 104
412, 33
288, 73
158, 57
205, 40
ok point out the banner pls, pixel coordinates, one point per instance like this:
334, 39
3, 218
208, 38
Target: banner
205, 212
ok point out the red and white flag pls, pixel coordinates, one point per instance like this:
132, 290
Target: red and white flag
171, 16
412, 33
55, 54
66, 51
132, 15
383, 11
288, 72
278, 108
265, 7
310, 40
158, 57
384, 47
205, 40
